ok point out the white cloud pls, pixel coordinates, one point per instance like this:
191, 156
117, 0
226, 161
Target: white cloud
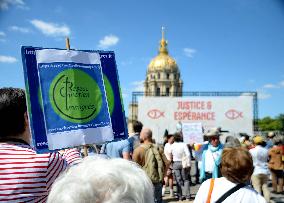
19, 29
5, 4
7, 59
281, 83
189, 52
108, 41
2, 34
51, 29
270, 86
138, 85
263, 95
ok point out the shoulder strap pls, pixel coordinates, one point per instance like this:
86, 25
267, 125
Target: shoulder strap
146, 146
215, 161
231, 191
210, 190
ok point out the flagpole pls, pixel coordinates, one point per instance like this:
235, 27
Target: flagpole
68, 48
67, 43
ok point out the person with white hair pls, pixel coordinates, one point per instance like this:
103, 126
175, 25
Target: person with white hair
232, 142
103, 181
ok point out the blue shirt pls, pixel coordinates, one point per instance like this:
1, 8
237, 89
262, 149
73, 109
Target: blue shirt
269, 144
116, 149
134, 142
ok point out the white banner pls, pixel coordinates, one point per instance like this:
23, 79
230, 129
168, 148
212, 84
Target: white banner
192, 133
234, 114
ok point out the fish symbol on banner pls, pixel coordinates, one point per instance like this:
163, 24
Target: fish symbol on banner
233, 114
155, 114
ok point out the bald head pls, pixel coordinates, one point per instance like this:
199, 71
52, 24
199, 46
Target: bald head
146, 134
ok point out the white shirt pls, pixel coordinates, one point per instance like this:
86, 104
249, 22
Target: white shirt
178, 149
221, 185
167, 151
210, 160
260, 158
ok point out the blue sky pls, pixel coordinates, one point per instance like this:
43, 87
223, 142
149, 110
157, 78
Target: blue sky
221, 45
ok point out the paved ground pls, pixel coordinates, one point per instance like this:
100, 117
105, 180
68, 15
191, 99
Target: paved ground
193, 191
275, 198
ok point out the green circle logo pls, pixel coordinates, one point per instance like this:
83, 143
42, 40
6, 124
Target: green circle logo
75, 96
110, 94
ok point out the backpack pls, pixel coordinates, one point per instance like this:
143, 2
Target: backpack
154, 165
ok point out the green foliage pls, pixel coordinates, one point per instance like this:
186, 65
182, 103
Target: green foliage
271, 124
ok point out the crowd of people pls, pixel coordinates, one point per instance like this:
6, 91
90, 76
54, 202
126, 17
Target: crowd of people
135, 169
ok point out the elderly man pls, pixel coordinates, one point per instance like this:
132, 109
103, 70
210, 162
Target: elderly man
148, 156
25, 176
211, 156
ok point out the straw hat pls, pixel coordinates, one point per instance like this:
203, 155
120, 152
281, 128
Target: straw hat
213, 132
271, 134
258, 139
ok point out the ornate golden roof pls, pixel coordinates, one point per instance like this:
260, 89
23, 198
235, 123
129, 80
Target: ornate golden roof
163, 61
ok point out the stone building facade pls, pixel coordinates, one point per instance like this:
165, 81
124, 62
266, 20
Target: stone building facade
163, 78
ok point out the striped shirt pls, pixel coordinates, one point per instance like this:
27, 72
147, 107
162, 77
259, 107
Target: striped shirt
26, 176
72, 156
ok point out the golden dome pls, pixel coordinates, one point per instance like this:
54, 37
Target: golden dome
163, 61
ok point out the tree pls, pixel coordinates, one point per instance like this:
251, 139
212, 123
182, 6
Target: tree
280, 118
271, 124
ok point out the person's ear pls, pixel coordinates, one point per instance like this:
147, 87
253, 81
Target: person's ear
26, 119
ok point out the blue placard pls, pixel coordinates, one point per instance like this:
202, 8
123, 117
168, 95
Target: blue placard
117, 113
36, 118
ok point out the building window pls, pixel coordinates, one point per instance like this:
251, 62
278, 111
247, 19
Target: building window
167, 91
175, 76
158, 75
168, 76
158, 91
